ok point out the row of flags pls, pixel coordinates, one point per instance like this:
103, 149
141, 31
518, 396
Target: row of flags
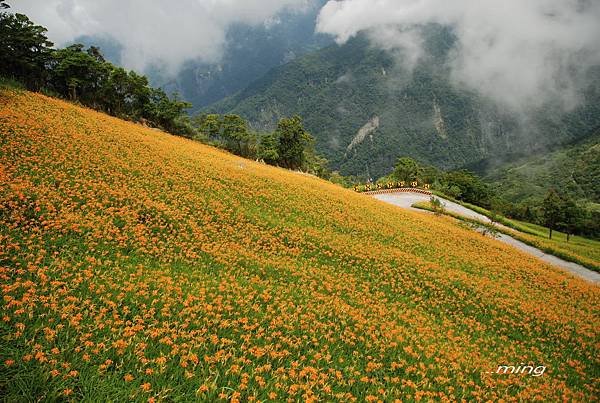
391, 185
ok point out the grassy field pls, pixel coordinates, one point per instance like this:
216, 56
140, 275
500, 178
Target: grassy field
578, 249
141, 266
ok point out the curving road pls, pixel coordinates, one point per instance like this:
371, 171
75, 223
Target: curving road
406, 200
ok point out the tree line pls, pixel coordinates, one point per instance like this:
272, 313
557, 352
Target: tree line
558, 211
83, 75
289, 146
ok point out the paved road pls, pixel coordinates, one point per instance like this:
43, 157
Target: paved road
406, 200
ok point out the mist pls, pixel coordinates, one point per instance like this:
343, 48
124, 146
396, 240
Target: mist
521, 54
154, 32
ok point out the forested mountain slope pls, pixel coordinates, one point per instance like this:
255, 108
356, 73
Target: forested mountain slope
573, 169
365, 110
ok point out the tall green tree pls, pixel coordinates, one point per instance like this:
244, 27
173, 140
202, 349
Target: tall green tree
407, 170
116, 92
124, 93
209, 125
165, 112
552, 210
235, 134
78, 74
268, 149
572, 216
24, 49
293, 142
470, 187
138, 95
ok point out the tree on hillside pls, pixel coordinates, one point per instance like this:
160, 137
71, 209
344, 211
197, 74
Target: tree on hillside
124, 93
209, 125
138, 95
469, 187
78, 74
430, 174
165, 112
407, 170
84, 76
293, 141
24, 49
236, 135
316, 164
116, 92
268, 149
552, 210
572, 216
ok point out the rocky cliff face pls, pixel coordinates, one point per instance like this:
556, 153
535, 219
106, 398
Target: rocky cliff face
438, 120
367, 130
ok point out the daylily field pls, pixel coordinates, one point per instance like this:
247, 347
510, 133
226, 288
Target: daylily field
135, 265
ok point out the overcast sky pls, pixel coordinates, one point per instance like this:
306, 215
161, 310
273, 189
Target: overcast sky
517, 51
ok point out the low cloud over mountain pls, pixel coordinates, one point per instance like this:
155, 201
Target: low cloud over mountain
155, 32
521, 53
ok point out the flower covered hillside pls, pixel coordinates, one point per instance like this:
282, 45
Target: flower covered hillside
135, 265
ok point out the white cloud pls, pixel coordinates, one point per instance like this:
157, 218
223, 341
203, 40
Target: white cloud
519, 52
153, 31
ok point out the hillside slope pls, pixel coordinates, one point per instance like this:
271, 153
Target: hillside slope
422, 114
138, 265
574, 169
